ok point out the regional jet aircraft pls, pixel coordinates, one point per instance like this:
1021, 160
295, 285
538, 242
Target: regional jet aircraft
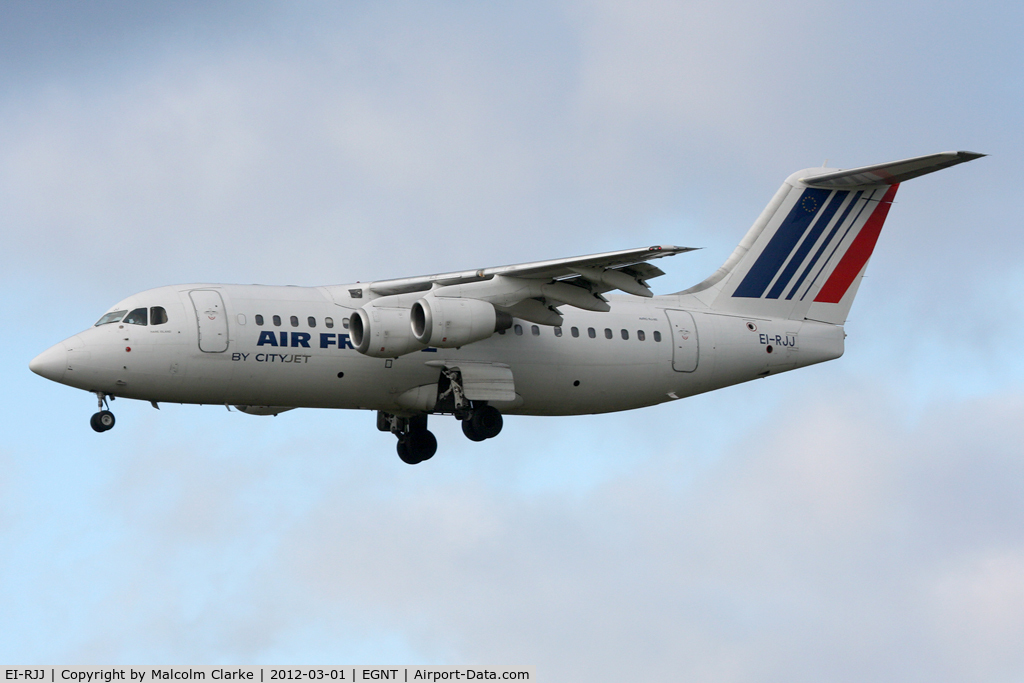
530, 339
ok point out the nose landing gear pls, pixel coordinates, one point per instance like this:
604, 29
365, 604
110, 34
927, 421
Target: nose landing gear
103, 420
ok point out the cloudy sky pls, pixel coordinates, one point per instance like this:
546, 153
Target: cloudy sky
859, 520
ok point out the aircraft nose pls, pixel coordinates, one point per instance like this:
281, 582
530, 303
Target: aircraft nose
51, 363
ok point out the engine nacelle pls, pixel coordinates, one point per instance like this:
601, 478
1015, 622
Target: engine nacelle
382, 332
451, 322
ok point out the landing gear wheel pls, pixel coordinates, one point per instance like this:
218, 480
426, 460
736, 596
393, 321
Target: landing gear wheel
403, 452
486, 421
102, 421
470, 431
423, 444
417, 446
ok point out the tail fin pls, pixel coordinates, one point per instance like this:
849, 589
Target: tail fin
806, 254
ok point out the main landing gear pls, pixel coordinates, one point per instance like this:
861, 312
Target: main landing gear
415, 442
479, 420
103, 420
482, 423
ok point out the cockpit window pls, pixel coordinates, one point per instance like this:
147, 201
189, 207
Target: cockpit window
112, 317
137, 317
157, 315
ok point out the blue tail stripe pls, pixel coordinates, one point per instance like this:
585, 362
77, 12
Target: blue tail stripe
781, 244
824, 245
825, 215
839, 242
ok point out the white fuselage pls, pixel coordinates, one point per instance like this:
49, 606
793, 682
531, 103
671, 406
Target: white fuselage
643, 352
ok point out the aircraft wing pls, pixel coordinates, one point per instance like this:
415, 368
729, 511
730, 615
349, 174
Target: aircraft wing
626, 270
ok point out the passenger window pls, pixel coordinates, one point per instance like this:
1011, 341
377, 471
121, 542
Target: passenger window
592, 333
575, 331
294, 321
625, 334
329, 322
535, 331
157, 315
501, 331
657, 336
640, 335
558, 331
277, 321
241, 318
607, 333
259, 320
519, 329
136, 317
112, 317
344, 323
311, 321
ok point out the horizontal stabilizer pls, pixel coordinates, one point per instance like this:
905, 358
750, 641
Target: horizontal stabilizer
891, 173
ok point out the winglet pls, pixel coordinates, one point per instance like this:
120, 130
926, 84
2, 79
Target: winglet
890, 173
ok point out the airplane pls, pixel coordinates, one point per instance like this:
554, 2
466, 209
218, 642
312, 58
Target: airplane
537, 338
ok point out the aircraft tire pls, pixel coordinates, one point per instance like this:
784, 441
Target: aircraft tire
487, 422
470, 431
417, 446
422, 444
105, 419
102, 421
403, 452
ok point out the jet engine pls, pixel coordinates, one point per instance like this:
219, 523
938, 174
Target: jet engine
382, 332
451, 322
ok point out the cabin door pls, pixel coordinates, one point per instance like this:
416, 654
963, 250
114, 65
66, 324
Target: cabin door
212, 320
685, 347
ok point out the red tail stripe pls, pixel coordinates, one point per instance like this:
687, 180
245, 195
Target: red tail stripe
858, 254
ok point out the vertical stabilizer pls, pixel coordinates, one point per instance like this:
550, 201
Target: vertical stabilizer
806, 254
